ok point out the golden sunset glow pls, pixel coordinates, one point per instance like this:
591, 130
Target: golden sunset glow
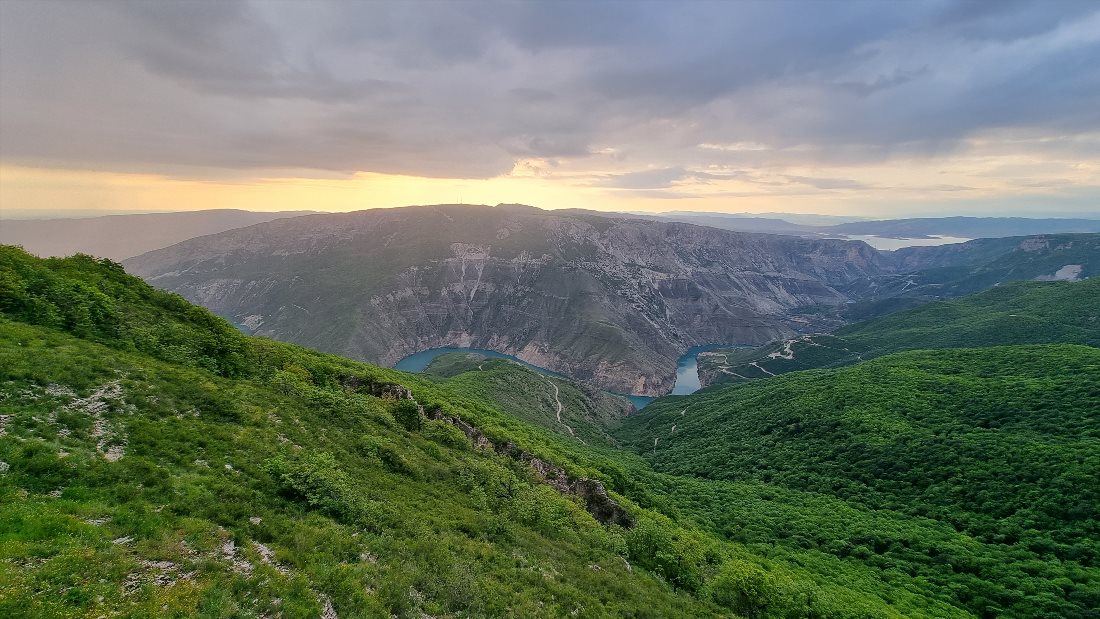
103, 109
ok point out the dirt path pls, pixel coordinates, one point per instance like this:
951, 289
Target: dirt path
787, 352
726, 370
557, 402
762, 369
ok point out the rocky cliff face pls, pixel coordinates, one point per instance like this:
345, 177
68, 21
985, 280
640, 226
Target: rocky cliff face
613, 302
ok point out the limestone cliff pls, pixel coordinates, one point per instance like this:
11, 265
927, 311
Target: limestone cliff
610, 301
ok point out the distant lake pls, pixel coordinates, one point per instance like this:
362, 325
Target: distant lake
890, 244
687, 370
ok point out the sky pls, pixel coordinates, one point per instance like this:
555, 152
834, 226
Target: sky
883, 109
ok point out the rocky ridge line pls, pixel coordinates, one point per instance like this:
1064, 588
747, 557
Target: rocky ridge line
592, 491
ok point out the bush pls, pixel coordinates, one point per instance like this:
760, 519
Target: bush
745, 588
541, 506
317, 480
407, 413
673, 553
384, 451
445, 434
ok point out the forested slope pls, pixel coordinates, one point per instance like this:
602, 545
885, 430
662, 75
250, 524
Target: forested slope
555, 403
1001, 444
1015, 313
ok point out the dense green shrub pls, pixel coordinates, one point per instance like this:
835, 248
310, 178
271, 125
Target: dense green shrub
678, 555
407, 413
95, 299
445, 434
745, 588
386, 452
317, 479
995, 450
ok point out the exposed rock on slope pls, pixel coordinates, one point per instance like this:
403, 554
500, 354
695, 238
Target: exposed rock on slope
610, 301
591, 491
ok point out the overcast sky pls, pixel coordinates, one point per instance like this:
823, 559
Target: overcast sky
877, 108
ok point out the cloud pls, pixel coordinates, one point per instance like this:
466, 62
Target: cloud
827, 183
735, 146
644, 179
882, 82
467, 90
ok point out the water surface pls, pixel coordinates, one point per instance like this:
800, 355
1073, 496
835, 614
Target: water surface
687, 370
419, 361
890, 244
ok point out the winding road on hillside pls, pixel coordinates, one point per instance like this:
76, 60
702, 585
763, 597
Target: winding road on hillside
557, 402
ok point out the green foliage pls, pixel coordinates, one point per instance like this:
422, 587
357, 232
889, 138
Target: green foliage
174, 467
530, 396
542, 507
407, 413
1014, 313
445, 434
377, 520
385, 451
746, 589
95, 299
999, 447
677, 554
317, 479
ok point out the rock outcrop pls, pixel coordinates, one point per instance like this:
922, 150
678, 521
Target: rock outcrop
591, 491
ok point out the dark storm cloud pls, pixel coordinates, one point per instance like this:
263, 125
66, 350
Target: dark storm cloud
462, 89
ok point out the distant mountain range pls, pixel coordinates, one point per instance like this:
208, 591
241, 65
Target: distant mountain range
916, 228
609, 300
122, 236
966, 227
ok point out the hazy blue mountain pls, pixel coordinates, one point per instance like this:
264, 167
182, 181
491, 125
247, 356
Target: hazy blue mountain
122, 236
966, 227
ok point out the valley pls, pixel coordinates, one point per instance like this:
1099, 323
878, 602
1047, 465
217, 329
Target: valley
687, 372
838, 492
498, 309
608, 300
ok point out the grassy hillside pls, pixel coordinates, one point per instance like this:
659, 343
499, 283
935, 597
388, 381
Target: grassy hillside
584, 414
142, 488
1000, 444
1015, 313
242, 477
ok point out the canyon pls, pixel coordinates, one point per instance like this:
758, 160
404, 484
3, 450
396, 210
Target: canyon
610, 301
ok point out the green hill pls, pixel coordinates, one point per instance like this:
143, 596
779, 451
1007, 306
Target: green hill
1001, 444
1015, 313
585, 412
965, 268
156, 462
